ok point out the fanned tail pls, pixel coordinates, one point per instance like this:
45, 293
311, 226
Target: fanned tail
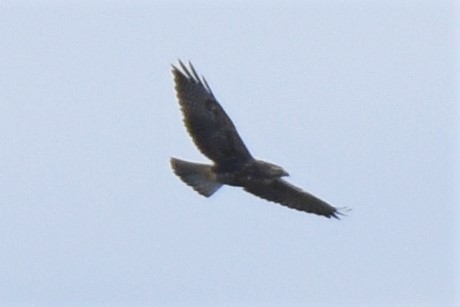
199, 176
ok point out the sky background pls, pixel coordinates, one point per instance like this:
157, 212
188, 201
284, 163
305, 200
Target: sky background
357, 100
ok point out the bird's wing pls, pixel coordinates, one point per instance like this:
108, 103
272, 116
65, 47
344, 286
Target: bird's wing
207, 123
286, 194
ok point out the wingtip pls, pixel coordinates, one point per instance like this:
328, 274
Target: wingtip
180, 62
190, 73
340, 212
180, 71
176, 66
175, 70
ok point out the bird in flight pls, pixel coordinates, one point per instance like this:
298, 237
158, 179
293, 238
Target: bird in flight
216, 137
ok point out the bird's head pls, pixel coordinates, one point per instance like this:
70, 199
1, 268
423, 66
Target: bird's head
272, 170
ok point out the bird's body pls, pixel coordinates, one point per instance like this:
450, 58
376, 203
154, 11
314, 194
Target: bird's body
240, 177
216, 137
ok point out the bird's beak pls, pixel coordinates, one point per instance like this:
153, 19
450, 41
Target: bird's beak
285, 173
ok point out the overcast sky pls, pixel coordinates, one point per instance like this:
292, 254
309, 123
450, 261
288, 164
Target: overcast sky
358, 101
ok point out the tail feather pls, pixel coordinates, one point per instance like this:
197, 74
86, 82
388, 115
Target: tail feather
199, 176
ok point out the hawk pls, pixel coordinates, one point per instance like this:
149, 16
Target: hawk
216, 137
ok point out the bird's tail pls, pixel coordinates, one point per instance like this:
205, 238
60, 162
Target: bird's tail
199, 176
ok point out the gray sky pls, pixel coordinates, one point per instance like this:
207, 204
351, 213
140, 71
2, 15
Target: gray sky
356, 101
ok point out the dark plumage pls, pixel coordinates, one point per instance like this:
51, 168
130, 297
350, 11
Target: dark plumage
216, 137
